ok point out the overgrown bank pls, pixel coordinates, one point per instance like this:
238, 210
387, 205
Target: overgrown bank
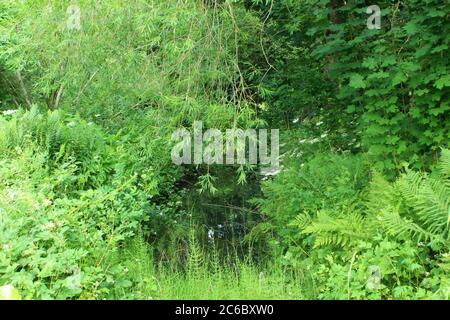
92, 207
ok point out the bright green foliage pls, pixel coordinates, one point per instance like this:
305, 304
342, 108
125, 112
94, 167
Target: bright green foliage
225, 277
124, 58
388, 88
92, 206
61, 214
325, 182
60, 139
341, 229
402, 228
424, 212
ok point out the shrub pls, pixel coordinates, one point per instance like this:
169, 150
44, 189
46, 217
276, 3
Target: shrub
57, 229
401, 228
327, 181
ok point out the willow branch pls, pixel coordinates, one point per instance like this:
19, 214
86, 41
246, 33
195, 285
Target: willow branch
24, 89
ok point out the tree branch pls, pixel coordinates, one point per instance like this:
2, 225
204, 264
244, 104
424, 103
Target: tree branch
24, 89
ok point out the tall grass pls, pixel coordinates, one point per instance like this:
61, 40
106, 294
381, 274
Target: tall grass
207, 274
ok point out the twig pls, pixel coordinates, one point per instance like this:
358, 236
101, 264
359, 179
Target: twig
58, 96
77, 99
229, 207
261, 39
24, 89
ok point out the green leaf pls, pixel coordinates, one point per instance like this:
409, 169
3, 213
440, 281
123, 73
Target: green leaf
411, 28
351, 108
443, 82
440, 48
389, 61
436, 13
369, 63
357, 81
399, 78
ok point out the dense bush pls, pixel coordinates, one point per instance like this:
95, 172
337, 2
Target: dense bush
387, 88
338, 227
91, 205
324, 182
63, 211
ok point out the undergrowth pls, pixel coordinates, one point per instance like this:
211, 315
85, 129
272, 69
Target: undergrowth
208, 274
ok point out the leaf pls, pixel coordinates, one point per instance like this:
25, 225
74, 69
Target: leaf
421, 92
389, 61
436, 13
379, 75
440, 110
399, 78
311, 31
410, 66
369, 63
443, 82
423, 51
351, 108
411, 28
440, 48
357, 81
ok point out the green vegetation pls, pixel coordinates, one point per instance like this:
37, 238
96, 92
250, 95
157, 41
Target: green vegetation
92, 206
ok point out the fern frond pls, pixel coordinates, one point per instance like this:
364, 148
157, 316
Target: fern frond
444, 164
402, 227
301, 221
381, 194
429, 199
260, 231
342, 230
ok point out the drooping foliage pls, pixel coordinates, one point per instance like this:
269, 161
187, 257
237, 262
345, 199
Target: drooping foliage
92, 206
